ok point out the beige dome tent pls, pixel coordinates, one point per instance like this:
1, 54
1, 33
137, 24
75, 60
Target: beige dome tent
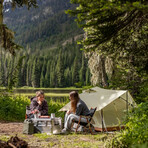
112, 105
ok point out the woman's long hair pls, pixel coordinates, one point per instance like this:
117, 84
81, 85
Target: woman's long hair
74, 100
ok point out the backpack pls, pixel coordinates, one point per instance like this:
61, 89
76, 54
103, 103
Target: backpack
28, 127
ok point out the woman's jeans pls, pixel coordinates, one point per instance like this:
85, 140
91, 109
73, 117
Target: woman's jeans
71, 117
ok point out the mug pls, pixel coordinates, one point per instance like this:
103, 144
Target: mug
52, 115
39, 114
35, 116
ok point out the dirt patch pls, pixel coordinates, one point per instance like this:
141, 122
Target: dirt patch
8, 128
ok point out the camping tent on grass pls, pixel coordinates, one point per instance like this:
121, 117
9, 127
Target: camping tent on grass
112, 105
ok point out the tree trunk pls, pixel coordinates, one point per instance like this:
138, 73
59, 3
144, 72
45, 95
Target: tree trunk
1, 21
1, 12
100, 69
103, 72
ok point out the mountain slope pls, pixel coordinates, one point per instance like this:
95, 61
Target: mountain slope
44, 26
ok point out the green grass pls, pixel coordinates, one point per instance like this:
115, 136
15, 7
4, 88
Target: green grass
73, 140
4, 138
63, 141
46, 94
33, 88
67, 88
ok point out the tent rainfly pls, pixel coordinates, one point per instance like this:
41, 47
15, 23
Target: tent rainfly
112, 105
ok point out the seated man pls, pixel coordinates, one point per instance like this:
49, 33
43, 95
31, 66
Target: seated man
38, 105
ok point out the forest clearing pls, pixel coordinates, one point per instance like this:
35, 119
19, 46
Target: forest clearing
9, 129
56, 141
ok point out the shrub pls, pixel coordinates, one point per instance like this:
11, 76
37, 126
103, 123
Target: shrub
13, 108
136, 132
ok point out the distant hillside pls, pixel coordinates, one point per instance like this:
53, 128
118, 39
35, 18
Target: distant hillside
44, 26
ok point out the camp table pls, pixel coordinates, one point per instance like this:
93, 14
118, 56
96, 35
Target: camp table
48, 125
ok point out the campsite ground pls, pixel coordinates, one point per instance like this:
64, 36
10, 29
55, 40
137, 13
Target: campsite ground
9, 129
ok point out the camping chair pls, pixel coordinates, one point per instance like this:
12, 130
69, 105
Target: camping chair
85, 124
28, 111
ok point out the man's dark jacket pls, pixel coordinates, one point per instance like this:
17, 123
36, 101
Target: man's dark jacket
43, 108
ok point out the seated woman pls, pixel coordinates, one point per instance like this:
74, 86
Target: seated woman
38, 105
78, 107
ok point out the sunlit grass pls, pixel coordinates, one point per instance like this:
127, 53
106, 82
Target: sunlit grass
67, 88
73, 140
4, 138
62, 141
46, 94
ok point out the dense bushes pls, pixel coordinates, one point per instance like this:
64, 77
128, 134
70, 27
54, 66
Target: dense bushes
136, 132
14, 108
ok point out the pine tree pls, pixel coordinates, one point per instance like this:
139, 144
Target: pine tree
68, 77
19, 76
36, 73
42, 79
11, 74
29, 72
75, 74
60, 70
83, 71
47, 75
43, 73
53, 79
24, 72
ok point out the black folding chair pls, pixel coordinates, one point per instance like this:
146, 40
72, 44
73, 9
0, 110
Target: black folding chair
85, 124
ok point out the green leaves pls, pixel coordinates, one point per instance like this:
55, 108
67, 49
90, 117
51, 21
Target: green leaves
13, 109
104, 20
6, 35
135, 134
7, 39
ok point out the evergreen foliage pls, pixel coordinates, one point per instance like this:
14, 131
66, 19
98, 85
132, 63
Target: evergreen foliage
75, 74
59, 67
7, 35
117, 29
60, 70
